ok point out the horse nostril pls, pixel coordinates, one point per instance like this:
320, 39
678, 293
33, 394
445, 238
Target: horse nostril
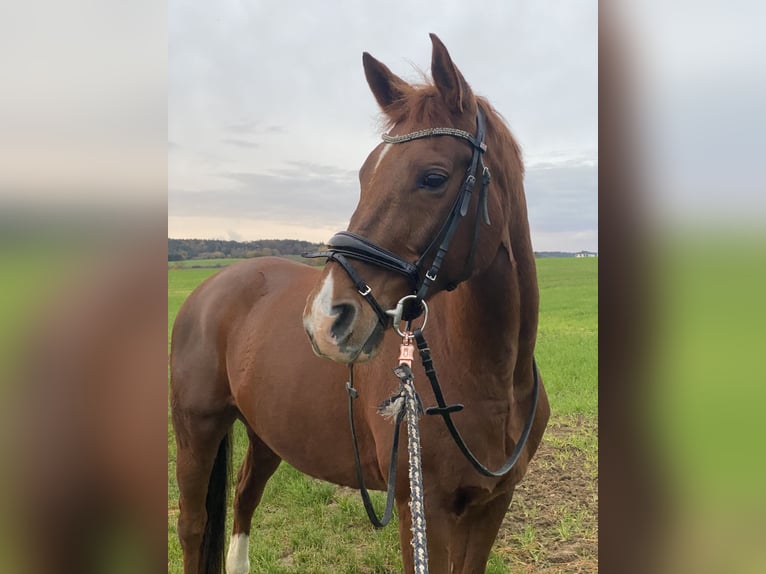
345, 317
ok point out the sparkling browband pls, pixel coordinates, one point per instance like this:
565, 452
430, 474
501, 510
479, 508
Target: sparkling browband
435, 132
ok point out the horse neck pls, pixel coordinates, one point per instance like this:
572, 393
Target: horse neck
495, 314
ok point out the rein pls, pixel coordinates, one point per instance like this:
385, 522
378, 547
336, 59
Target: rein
442, 409
406, 404
445, 411
388, 512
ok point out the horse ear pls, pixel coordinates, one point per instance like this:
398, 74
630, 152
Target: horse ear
386, 86
448, 79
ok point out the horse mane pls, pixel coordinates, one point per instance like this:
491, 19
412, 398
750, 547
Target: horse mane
423, 105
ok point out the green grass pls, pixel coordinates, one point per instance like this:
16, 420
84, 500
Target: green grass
223, 262
307, 526
567, 341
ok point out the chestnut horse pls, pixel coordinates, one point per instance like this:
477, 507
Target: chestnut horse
240, 350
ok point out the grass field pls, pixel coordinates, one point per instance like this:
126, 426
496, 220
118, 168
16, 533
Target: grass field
308, 526
223, 262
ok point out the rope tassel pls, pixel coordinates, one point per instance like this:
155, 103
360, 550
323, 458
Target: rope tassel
391, 407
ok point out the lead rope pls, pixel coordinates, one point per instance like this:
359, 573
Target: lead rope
413, 410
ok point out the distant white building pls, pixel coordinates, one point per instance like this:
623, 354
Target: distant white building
586, 254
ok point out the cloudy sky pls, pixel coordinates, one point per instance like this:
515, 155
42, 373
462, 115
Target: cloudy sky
270, 117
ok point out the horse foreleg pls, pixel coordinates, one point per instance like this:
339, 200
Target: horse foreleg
438, 526
474, 534
259, 464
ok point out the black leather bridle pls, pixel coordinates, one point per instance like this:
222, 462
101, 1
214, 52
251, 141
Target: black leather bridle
346, 245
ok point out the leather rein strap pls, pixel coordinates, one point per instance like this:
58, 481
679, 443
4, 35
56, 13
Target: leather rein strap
347, 245
366, 500
445, 411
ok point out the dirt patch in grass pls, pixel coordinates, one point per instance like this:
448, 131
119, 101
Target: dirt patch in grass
552, 525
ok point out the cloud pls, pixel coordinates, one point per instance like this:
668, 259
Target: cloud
253, 127
233, 235
302, 192
311, 170
239, 86
241, 143
562, 197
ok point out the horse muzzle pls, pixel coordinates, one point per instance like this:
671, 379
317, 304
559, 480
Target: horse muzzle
340, 329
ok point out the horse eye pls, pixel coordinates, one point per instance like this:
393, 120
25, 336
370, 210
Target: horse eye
433, 180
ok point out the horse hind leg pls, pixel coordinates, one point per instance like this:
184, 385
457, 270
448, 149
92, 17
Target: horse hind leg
259, 465
203, 459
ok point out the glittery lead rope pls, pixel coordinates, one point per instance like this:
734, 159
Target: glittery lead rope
417, 510
413, 410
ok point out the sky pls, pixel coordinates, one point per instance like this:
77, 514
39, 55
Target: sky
270, 116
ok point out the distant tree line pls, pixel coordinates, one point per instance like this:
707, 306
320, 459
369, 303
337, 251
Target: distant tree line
183, 249
544, 254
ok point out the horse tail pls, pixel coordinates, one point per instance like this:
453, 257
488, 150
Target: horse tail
213, 541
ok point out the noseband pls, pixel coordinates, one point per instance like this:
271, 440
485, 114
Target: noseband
346, 245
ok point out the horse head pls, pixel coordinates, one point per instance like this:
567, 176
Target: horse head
427, 218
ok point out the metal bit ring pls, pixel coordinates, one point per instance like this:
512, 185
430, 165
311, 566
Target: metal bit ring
398, 311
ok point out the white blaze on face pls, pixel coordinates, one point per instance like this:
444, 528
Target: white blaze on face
321, 308
237, 560
383, 152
